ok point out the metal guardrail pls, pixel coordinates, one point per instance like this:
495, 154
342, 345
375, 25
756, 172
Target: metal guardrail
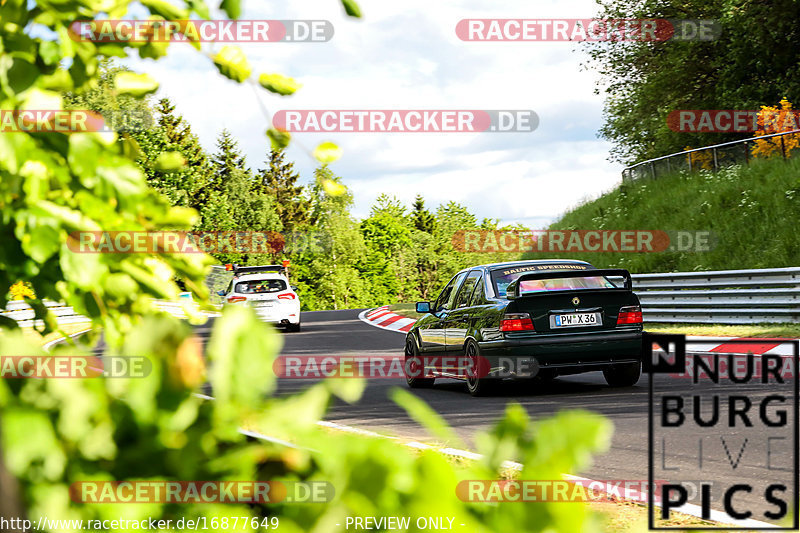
711, 157
24, 315
713, 297
721, 297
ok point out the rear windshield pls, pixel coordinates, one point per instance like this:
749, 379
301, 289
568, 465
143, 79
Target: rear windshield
260, 286
503, 279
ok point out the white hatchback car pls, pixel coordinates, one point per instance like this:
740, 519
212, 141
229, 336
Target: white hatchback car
266, 289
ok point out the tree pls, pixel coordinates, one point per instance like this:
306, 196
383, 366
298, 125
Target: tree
330, 277
56, 432
387, 233
423, 219
644, 81
279, 181
236, 199
186, 185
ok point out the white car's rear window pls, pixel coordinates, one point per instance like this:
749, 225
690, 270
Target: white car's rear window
260, 286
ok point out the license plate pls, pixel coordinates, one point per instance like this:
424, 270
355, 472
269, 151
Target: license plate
568, 320
262, 304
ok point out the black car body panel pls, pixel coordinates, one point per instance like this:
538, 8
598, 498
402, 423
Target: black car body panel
457, 318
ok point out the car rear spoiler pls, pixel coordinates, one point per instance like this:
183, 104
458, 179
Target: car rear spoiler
250, 269
512, 291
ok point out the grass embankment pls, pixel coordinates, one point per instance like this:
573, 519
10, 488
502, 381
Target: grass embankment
751, 211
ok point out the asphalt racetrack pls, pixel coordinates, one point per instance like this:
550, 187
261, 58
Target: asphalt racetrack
759, 461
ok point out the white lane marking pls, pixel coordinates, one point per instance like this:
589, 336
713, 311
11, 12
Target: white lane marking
52, 343
688, 508
261, 436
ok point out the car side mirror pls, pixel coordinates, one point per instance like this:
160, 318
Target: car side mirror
293, 287
221, 293
423, 307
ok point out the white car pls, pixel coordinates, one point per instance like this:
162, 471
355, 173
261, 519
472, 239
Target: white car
267, 290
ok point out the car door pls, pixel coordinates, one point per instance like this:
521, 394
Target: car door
431, 328
458, 319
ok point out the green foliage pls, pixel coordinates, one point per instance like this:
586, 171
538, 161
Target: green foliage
54, 432
237, 200
136, 85
763, 195
279, 181
352, 8
278, 139
423, 219
645, 81
332, 279
327, 152
232, 63
279, 84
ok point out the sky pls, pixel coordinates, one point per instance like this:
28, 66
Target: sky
406, 55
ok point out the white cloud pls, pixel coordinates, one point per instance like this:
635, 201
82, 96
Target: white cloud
407, 56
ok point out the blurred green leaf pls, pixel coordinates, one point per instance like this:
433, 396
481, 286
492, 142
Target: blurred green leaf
279, 139
137, 85
232, 63
165, 9
327, 152
169, 161
233, 8
351, 8
278, 83
421, 412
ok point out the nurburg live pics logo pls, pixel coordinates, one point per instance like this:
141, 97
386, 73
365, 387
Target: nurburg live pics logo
735, 423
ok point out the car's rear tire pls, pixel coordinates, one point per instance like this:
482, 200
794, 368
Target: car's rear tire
414, 366
293, 327
477, 382
623, 375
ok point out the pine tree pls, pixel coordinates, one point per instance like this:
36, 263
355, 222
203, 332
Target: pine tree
279, 180
236, 201
423, 219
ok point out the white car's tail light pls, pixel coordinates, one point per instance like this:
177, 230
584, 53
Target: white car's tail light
516, 322
234, 299
630, 315
287, 296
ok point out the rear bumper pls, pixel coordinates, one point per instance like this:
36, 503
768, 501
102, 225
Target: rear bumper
567, 353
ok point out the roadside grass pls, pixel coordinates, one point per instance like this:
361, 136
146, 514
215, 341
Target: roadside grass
791, 331
406, 310
750, 210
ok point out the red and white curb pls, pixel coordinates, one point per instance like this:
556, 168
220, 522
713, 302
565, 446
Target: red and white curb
731, 345
382, 317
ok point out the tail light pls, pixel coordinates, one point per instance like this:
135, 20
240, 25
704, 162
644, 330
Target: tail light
234, 299
516, 322
630, 315
287, 296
